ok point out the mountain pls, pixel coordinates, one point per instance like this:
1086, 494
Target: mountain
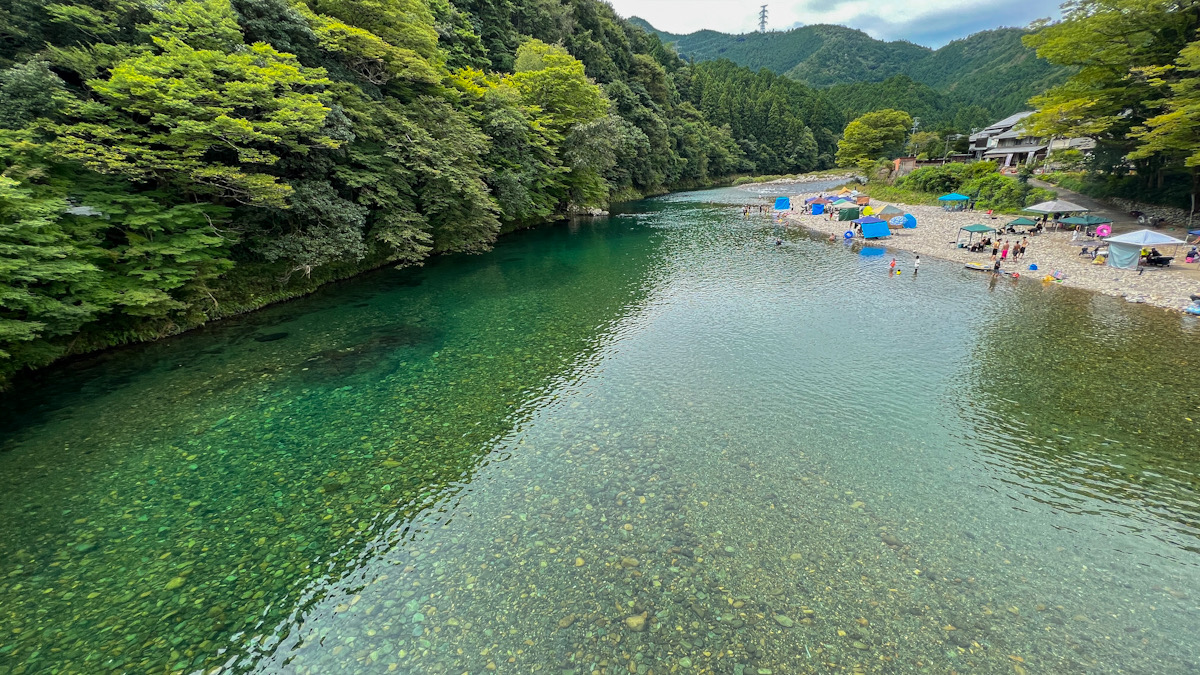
991, 69
816, 55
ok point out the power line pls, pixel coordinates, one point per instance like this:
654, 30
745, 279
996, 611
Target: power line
762, 19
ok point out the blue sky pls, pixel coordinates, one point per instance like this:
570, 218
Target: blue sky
927, 22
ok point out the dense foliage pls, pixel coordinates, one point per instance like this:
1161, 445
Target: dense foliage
979, 180
785, 126
873, 136
937, 112
1137, 91
163, 163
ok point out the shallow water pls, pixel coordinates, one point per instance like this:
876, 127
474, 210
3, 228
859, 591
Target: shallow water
650, 443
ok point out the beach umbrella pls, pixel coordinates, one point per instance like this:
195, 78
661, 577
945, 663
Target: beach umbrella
953, 197
1055, 206
898, 221
910, 221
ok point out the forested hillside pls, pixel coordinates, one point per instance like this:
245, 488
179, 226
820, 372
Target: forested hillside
992, 70
935, 109
164, 163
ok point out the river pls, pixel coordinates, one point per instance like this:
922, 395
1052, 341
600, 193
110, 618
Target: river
656, 442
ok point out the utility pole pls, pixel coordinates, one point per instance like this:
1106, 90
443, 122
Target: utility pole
762, 19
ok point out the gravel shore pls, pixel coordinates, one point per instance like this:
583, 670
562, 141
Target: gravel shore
937, 231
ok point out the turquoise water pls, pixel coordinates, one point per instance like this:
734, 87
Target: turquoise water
652, 443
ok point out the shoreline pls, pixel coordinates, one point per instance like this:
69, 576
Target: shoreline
937, 230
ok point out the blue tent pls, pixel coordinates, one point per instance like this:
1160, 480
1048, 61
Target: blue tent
818, 209
868, 220
782, 203
873, 230
953, 197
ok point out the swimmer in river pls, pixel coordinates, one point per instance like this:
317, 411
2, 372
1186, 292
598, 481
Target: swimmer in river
779, 242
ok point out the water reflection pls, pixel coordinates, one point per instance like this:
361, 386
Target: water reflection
1087, 403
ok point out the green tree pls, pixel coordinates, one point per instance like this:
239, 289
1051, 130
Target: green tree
872, 136
927, 143
201, 119
1122, 81
1175, 132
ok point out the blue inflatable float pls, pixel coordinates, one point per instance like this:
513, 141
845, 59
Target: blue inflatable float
849, 234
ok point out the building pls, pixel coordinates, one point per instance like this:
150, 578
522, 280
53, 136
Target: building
1007, 144
1004, 143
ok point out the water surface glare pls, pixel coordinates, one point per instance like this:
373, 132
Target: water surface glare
659, 442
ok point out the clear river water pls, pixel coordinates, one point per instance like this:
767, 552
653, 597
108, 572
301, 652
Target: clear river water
654, 443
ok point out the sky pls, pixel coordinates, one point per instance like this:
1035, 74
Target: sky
927, 22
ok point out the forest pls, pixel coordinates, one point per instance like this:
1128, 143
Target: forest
167, 163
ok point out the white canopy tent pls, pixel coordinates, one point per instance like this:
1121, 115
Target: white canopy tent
1125, 250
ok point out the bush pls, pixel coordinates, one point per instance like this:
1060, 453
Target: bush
1002, 193
945, 178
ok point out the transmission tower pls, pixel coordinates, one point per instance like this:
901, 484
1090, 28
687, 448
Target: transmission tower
762, 19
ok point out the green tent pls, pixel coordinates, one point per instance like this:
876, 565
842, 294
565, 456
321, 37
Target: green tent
973, 230
1085, 220
848, 214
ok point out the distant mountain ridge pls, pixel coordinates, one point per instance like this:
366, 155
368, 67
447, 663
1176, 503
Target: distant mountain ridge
991, 69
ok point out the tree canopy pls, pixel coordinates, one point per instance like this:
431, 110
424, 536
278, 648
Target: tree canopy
1133, 91
872, 136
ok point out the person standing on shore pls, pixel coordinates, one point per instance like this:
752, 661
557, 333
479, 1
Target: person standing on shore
995, 248
1004, 250
916, 265
1024, 243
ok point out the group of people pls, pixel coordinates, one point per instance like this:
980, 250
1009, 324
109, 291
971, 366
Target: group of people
916, 266
1002, 251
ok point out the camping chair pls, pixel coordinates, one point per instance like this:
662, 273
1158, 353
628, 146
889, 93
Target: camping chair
990, 214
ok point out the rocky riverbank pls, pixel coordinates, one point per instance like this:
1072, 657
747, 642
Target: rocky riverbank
937, 231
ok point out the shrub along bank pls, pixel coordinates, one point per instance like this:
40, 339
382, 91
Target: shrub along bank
979, 180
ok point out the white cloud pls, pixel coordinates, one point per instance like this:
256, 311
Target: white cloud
929, 22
